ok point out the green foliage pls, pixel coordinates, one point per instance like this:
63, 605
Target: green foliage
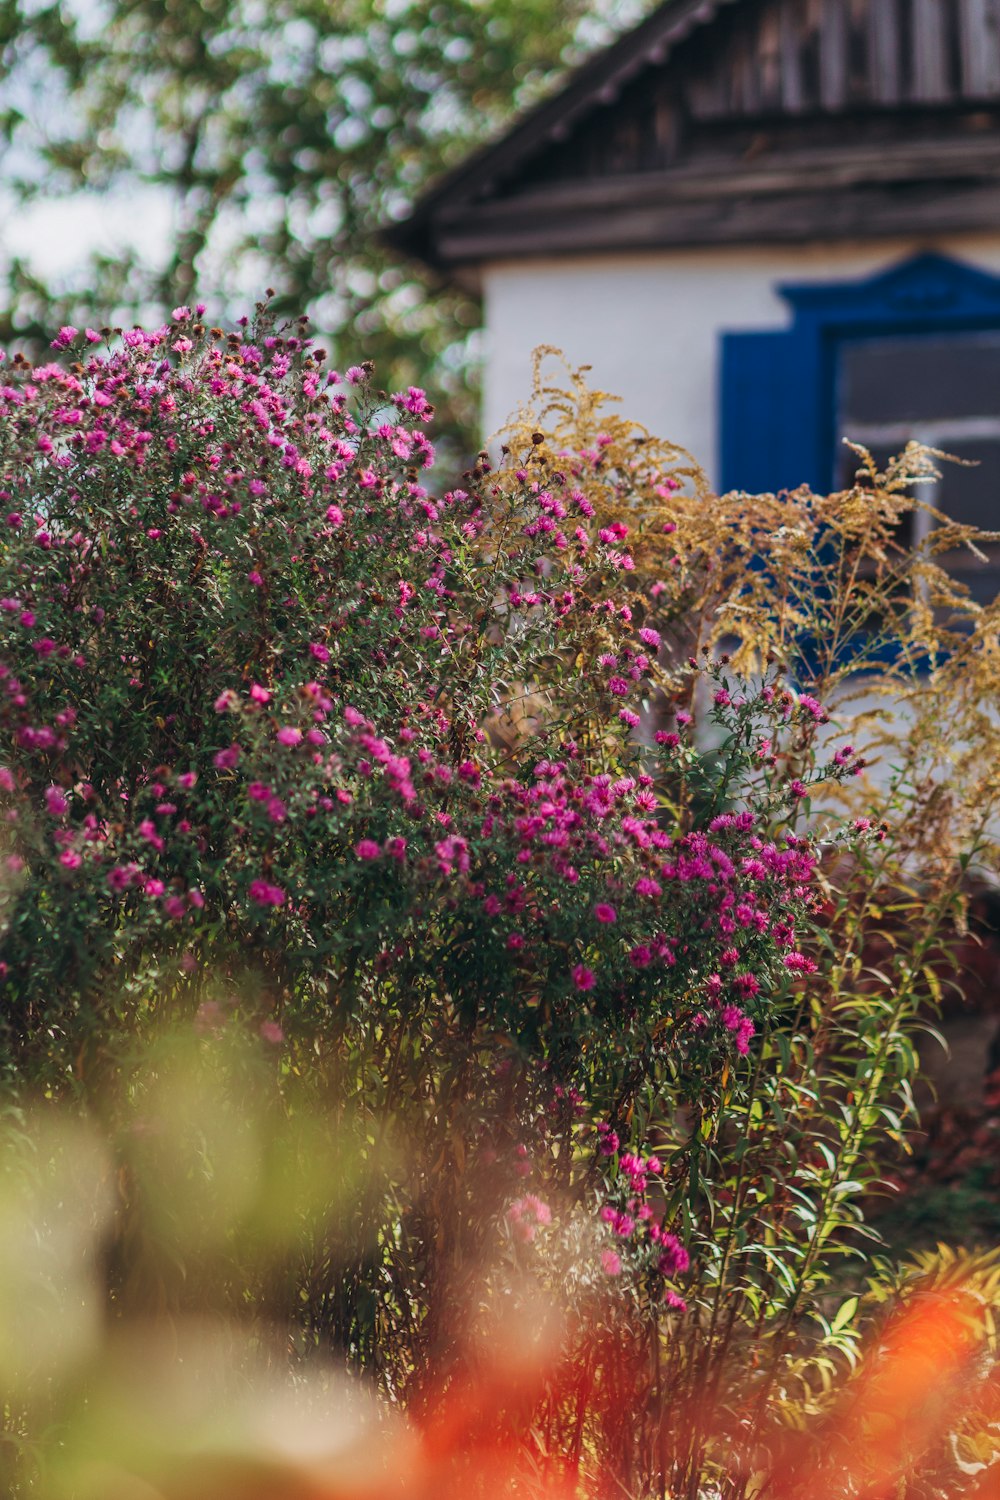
278, 138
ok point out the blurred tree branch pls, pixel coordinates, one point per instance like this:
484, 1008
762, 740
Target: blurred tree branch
280, 135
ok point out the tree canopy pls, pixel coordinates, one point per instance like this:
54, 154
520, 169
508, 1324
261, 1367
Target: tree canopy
232, 145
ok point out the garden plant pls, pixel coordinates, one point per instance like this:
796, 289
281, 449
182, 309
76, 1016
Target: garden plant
420, 910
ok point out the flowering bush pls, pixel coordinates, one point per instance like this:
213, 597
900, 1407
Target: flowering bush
459, 807
250, 675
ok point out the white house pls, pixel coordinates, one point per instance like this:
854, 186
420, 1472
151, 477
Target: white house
764, 224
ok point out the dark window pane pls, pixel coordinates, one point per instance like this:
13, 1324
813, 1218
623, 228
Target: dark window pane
982, 579
922, 385
972, 496
919, 378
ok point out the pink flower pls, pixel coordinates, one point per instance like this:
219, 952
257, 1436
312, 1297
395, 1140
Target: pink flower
147, 830
70, 859
526, 1213
289, 735
367, 849
673, 1258
266, 894
743, 1035
56, 804
605, 912
415, 401
452, 853
319, 651
813, 707
542, 1211
259, 694
226, 759
611, 1263
270, 1031
618, 686
583, 978
650, 637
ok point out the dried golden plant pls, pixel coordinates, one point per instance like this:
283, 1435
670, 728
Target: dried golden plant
875, 626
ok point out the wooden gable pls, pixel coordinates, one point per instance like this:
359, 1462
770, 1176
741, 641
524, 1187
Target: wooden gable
721, 121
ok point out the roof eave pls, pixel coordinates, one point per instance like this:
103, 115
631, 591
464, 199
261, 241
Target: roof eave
596, 82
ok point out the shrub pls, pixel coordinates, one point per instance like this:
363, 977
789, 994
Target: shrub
250, 669
500, 824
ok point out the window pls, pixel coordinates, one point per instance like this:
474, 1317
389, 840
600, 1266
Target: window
911, 352
942, 390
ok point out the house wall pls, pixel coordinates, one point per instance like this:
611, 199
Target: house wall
649, 323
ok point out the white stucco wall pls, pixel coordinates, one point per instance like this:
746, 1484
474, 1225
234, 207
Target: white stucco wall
649, 323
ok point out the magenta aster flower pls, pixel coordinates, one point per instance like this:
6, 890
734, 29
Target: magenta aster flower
265, 894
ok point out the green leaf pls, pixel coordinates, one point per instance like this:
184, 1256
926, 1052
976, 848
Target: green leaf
844, 1315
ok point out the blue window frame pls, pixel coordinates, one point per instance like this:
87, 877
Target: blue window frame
779, 389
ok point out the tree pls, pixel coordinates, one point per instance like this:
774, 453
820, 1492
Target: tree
281, 136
